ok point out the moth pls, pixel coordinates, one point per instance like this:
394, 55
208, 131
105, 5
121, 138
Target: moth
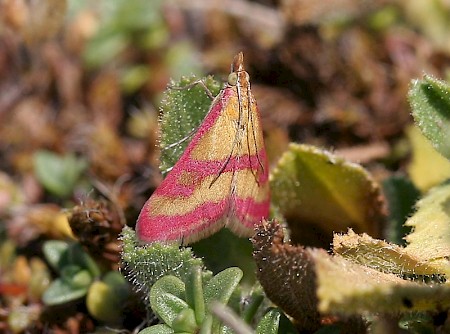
221, 179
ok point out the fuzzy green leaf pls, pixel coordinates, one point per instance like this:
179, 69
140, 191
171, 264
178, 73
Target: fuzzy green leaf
58, 174
145, 264
313, 187
286, 273
167, 298
430, 103
430, 238
183, 111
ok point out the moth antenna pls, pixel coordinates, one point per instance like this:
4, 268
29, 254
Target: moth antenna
182, 140
193, 84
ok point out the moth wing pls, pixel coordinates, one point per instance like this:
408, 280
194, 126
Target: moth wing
192, 201
250, 200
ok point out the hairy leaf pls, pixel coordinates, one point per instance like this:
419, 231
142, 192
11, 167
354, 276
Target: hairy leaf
345, 287
383, 256
183, 110
430, 238
145, 264
287, 275
430, 103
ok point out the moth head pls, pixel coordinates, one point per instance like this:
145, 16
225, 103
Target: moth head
233, 79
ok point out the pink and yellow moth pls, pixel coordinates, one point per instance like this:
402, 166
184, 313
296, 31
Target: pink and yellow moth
221, 179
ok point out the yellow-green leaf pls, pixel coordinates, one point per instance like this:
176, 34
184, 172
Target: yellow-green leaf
345, 287
430, 238
316, 189
384, 256
428, 168
106, 298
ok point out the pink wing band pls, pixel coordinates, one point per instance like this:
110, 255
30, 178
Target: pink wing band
203, 169
164, 227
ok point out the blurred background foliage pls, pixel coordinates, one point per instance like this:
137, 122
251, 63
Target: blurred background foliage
81, 83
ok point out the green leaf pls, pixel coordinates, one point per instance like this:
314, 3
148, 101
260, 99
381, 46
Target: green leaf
221, 286
185, 321
167, 298
123, 23
401, 196
103, 47
76, 276
430, 238
238, 254
194, 294
252, 303
427, 168
220, 289
269, 323
183, 111
182, 57
273, 322
206, 325
62, 255
58, 174
232, 323
145, 264
53, 252
319, 193
60, 292
135, 77
430, 103
76, 255
157, 329
106, 298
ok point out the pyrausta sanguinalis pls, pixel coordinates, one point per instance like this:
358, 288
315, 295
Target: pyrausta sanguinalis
221, 179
